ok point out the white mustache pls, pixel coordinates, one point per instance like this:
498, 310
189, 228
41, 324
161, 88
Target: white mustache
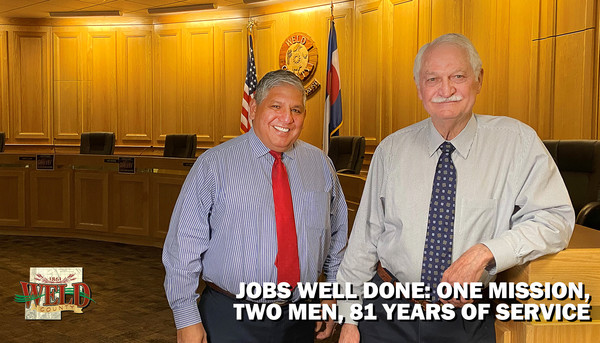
452, 98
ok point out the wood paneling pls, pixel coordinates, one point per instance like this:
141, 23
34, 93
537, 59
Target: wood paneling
100, 111
368, 72
165, 190
199, 91
446, 16
230, 55
68, 64
167, 83
30, 75
144, 80
405, 107
4, 97
572, 112
130, 204
12, 203
134, 62
50, 194
91, 201
574, 15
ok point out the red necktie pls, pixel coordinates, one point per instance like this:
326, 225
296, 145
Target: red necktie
288, 266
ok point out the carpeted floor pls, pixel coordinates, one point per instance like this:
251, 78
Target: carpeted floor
126, 283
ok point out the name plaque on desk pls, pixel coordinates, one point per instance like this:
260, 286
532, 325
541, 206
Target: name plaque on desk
44, 162
127, 165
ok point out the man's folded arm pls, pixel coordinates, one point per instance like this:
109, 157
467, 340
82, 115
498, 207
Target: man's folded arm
544, 218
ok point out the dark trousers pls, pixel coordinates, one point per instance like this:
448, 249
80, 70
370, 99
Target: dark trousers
218, 318
458, 330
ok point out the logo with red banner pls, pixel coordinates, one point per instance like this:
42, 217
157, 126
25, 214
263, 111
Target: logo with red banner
50, 291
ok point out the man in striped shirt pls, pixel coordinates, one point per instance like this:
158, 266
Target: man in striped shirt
223, 227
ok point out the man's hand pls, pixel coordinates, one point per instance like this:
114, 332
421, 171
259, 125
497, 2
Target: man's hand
468, 268
349, 334
328, 324
192, 334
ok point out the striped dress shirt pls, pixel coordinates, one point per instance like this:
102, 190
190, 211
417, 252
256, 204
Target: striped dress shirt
223, 224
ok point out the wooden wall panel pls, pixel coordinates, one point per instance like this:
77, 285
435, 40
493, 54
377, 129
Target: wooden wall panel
266, 49
67, 65
368, 73
12, 203
167, 83
446, 16
134, 51
481, 18
4, 98
543, 89
574, 15
165, 191
518, 46
30, 86
199, 91
406, 107
131, 209
231, 54
573, 86
91, 212
50, 194
101, 105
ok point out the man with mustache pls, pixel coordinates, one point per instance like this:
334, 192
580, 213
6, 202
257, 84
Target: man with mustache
458, 197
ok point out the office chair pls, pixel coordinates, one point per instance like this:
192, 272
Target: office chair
183, 146
347, 153
97, 143
579, 164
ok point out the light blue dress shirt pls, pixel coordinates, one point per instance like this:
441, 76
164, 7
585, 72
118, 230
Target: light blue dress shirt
509, 196
223, 224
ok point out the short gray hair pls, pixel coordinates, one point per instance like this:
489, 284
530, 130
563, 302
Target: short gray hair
449, 38
277, 78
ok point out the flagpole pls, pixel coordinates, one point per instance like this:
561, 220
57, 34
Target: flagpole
250, 82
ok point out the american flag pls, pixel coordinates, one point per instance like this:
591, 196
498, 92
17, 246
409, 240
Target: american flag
249, 86
332, 120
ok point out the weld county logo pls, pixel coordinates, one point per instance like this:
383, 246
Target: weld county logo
51, 291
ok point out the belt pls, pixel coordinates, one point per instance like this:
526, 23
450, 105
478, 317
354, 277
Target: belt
388, 277
233, 297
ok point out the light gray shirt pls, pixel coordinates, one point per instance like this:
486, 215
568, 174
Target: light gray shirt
509, 196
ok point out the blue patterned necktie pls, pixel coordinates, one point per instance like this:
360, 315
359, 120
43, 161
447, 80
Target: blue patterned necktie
437, 255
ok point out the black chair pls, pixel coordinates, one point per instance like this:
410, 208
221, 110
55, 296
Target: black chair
183, 146
347, 153
97, 143
579, 164
2, 137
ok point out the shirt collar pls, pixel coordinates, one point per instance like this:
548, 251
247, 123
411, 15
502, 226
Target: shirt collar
462, 143
259, 149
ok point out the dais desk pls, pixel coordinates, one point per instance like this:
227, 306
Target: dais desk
85, 196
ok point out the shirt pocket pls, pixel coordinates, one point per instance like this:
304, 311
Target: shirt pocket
478, 219
316, 210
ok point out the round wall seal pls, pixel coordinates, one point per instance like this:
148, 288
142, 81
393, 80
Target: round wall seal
298, 54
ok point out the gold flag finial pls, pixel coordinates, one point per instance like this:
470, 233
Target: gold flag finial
331, 10
251, 24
